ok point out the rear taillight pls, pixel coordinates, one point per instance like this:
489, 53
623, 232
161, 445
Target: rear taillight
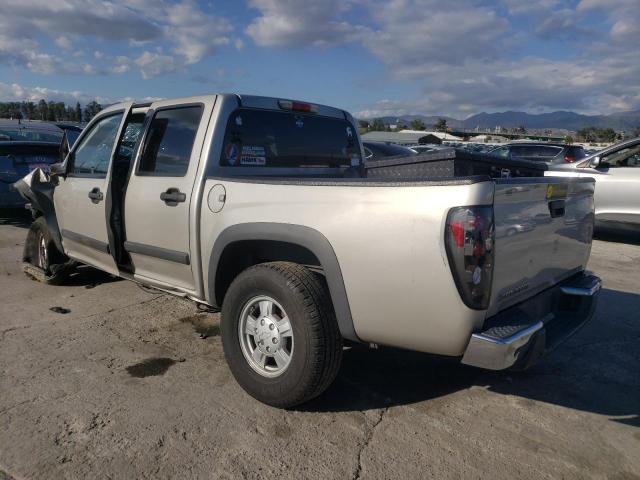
569, 159
469, 241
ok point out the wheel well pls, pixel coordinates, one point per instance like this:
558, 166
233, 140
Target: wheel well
240, 255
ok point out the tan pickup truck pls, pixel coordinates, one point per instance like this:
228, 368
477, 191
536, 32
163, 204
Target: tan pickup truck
261, 207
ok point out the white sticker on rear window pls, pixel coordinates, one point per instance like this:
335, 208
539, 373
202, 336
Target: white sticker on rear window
253, 155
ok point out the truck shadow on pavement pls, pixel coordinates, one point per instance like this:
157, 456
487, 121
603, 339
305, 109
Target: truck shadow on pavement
89, 277
617, 236
595, 371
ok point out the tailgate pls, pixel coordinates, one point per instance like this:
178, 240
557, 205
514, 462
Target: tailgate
543, 231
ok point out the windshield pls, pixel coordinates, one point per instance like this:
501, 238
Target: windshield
267, 138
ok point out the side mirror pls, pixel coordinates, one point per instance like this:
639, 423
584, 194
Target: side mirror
595, 162
57, 169
60, 168
65, 146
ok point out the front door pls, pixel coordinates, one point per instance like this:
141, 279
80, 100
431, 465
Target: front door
80, 197
158, 200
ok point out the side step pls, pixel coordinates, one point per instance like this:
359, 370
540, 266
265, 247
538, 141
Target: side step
521, 335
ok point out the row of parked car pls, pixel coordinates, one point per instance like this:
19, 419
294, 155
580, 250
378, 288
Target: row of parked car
616, 170
25, 146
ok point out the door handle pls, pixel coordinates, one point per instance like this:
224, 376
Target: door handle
95, 195
172, 197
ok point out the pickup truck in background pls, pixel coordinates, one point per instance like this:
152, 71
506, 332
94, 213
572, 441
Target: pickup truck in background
261, 207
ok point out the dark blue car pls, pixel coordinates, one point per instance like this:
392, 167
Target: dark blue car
24, 146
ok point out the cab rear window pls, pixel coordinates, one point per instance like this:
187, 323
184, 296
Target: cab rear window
271, 139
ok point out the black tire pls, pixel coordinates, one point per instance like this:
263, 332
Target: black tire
43, 261
315, 361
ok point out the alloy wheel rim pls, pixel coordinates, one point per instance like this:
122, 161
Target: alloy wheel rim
266, 336
43, 260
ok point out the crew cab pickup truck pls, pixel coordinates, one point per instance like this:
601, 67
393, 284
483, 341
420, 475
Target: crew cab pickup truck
261, 207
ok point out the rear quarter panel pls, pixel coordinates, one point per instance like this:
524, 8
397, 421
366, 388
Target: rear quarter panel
389, 244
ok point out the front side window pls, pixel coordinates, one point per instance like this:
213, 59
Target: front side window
169, 142
626, 157
94, 152
270, 139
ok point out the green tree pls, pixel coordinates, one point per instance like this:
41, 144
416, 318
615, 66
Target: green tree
91, 109
568, 139
417, 124
43, 110
441, 125
608, 134
377, 125
78, 115
30, 110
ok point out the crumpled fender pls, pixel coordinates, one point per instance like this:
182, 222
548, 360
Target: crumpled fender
37, 188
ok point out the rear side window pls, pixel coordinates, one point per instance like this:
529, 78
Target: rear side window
169, 142
267, 139
548, 152
502, 152
533, 152
92, 156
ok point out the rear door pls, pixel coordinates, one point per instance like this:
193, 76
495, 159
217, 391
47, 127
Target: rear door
159, 199
543, 231
80, 197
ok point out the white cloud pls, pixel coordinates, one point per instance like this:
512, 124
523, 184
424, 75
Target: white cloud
301, 23
152, 64
413, 34
64, 42
195, 33
14, 92
182, 27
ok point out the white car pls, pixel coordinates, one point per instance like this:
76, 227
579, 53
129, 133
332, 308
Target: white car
616, 170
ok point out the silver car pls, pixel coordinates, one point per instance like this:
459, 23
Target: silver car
616, 170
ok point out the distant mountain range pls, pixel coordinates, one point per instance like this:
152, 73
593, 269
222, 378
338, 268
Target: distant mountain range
554, 120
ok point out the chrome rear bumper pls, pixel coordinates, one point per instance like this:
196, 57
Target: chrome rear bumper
519, 336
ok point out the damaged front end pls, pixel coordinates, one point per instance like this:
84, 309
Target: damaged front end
43, 257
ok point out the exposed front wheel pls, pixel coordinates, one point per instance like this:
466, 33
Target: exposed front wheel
43, 261
280, 335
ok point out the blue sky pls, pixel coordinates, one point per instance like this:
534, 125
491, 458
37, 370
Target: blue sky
372, 57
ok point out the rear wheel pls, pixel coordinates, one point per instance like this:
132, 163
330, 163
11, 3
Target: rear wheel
280, 335
43, 261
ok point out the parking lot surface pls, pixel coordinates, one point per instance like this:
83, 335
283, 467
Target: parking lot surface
119, 382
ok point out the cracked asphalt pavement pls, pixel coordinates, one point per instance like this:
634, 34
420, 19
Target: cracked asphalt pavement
132, 384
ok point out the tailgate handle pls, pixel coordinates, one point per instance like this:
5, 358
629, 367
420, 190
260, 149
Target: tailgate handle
556, 208
172, 196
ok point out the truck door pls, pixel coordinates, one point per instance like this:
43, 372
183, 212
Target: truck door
80, 196
158, 201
